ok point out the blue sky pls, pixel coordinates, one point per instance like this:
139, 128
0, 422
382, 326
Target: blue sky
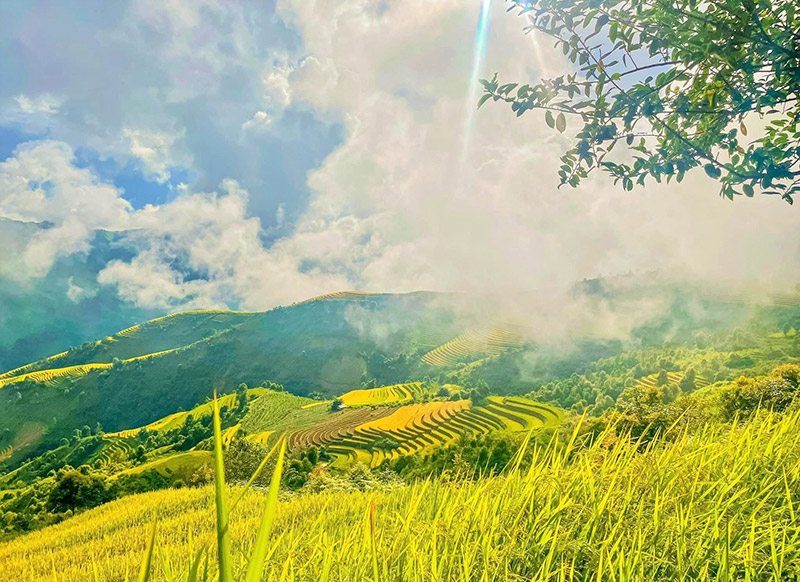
260, 153
98, 61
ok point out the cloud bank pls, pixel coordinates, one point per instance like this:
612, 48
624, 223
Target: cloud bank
412, 198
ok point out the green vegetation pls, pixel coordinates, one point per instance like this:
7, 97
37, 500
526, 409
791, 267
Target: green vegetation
708, 504
705, 369
678, 82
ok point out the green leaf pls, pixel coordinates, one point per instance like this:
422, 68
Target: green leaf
483, 99
255, 566
144, 572
748, 190
548, 117
223, 535
712, 170
561, 123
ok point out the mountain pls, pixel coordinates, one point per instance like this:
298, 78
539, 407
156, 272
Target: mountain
335, 343
40, 316
146, 371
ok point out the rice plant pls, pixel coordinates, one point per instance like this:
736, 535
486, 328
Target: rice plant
716, 505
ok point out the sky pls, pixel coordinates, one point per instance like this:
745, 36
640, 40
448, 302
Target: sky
277, 151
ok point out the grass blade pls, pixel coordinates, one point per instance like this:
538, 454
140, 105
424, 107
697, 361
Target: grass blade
256, 564
223, 537
144, 573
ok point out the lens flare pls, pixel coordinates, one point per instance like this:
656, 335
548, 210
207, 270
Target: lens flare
478, 58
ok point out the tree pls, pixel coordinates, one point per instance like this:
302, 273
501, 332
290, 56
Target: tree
241, 396
76, 489
675, 81
337, 404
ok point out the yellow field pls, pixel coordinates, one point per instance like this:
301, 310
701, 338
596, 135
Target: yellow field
335, 296
712, 506
672, 378
260, 437
418, 428
396, 394
229, 433
47, 376
23, 369
488, 342
313, 404
177, 419
173, 464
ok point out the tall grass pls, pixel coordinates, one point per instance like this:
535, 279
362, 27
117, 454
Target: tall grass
719, 504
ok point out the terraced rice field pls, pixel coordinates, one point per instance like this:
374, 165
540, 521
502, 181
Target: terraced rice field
30, 367
673, 378
317, 403
473, 344
417, 428
117, 445
396, 394
260, 437
229, 433
338, 425
173, 464
178, 419
48, 376
336, 296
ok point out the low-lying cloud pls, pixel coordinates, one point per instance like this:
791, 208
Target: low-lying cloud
397, 206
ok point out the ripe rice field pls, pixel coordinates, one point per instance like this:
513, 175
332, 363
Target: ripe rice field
673, 378
418, 428
260, 437
229, 433
47, 376
717, 505
30, 367
335, 426
470, 345
397, 394
178, 419
338, 295
171, 465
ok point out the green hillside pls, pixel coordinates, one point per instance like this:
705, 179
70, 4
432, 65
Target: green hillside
337, 343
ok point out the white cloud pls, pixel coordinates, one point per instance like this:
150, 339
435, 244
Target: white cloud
41, 184
155, 150
45, 103
31, 114
395, 205
210, 235
260, 121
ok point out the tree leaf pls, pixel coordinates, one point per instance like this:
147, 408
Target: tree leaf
548, 117
561, 123
712, 170
483, 99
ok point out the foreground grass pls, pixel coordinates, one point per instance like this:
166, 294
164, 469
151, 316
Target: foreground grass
718, 505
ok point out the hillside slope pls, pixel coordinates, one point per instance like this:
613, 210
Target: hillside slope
140, 374
566, 512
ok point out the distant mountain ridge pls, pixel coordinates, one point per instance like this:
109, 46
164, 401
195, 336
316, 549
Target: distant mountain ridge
37, 315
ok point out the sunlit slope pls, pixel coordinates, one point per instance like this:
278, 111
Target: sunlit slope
678, 510
474, 344
178, 419
309, 347
396, 394
417, 428
673, 379
158, 335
